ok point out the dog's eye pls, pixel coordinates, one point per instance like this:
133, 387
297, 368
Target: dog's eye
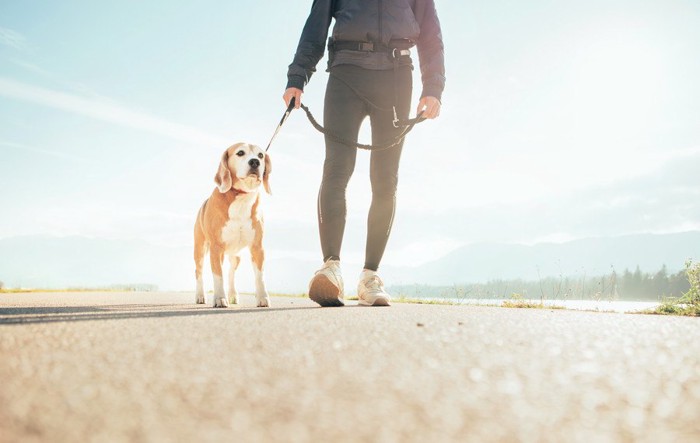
240, 153
260, 156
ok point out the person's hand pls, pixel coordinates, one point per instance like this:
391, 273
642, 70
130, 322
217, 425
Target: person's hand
430, 107
290, 93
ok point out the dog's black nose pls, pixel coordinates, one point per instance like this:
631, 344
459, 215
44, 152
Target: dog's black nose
254, 163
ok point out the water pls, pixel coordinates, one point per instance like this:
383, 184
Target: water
581, 305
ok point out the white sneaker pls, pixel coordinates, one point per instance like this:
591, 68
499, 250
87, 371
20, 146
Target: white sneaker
326, 286
370, 290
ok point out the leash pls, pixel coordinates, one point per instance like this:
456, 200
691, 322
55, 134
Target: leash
284, 118
406, 124
407, 127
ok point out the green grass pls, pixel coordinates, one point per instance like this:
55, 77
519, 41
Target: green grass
689, 303
60, 291
676, 306
672, 307
517, 301
418, 301
273, 294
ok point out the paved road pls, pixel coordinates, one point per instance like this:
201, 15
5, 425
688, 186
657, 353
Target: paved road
125, 367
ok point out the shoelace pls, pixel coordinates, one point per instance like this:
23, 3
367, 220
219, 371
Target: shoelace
335, 271
374, 284
331, 266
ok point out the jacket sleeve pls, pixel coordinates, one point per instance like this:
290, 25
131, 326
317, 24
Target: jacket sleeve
431, 51
311, 44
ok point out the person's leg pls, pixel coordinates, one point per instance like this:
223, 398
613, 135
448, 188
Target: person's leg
343, 115
384, 165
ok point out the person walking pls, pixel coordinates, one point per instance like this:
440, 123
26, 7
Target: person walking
370, 74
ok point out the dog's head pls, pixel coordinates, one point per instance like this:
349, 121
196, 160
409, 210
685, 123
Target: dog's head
243, 167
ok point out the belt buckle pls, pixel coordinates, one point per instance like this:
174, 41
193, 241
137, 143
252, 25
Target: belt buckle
367, 46
396, 52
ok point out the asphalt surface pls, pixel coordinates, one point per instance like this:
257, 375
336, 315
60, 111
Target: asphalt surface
144, 367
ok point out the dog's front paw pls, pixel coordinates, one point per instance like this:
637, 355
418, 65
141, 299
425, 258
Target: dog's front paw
221, 302
200, 299
233, 299
264, 302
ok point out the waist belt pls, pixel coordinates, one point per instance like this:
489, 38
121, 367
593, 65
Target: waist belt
393, 48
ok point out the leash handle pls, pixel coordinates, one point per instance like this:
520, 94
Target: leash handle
289, 110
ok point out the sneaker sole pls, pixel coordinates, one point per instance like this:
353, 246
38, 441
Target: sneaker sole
324, 292
380, 301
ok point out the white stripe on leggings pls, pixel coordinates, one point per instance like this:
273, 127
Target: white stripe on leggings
318, 203
393, 211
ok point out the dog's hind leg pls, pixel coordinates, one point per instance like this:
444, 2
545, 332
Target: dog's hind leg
200, 248
257, 254
216, 256
232, 293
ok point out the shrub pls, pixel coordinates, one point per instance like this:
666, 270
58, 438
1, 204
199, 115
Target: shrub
689, 303
692, 297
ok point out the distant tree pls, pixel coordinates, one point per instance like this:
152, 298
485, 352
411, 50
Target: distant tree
678, 284
2, 285
637, 281
659, 283
626, 285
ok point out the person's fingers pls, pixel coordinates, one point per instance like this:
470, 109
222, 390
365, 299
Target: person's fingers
421, 106
434, 109
429, 111
430, 107
290, 93
297, 97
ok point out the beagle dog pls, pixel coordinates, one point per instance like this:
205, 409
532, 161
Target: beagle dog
230, 220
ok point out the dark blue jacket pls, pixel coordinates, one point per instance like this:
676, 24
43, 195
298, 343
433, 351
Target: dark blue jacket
378, 21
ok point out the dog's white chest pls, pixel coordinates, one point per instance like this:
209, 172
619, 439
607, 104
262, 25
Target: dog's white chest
238, 232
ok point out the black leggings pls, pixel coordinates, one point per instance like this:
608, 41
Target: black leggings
352, 94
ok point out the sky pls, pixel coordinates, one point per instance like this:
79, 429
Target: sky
561, 120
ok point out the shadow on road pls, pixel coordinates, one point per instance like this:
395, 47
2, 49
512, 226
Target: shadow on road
28, 315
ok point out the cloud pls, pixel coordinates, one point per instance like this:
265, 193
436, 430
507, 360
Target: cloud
11, 38
109, 112
42, 151
663, 200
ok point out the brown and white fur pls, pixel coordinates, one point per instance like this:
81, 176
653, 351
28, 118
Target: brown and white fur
230, 220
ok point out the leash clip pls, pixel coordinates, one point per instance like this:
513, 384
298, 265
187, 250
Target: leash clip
396, 119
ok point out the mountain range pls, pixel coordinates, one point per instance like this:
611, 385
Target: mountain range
70, 262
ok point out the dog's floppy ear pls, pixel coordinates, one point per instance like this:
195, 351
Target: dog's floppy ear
266, 175
223, 175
